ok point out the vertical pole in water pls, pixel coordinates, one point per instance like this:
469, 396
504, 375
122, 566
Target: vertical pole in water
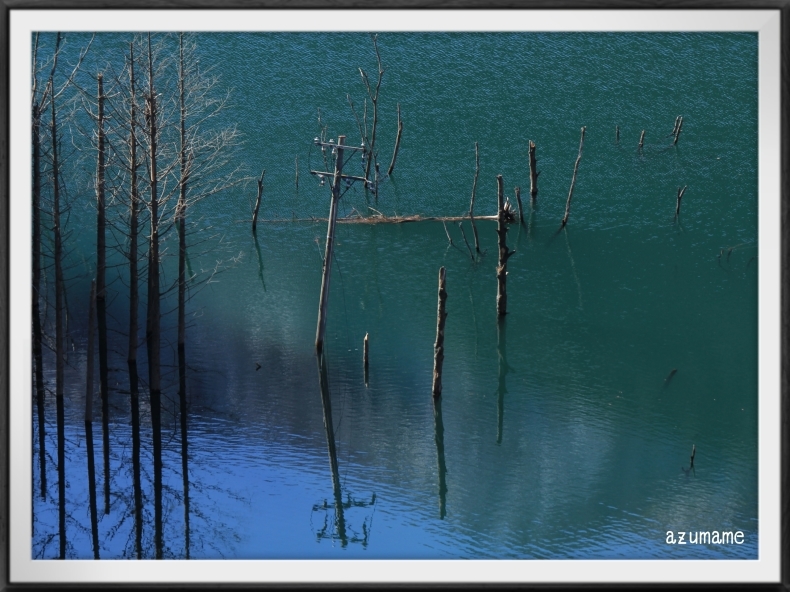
438, 346
617, 133
678, 130
533, 171
642, 139
365, 357
330, 242
89, 424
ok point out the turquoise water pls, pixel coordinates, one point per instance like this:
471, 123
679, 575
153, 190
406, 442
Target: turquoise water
560, 433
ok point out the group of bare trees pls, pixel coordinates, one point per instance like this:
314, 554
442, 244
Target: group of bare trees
143, 148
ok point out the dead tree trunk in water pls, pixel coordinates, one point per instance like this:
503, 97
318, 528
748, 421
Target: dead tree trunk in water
573, 180
472, 201
153, 313
323, 303
438, 346
134, 303
59, 336
101, 298
258, 202
504, 252
533, 172
397, 144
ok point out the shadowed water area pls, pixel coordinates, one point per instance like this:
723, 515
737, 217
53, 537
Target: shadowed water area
564, 431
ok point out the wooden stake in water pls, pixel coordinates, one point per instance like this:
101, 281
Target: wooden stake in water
438, 346
323, 302
642, 139
533, 172
617, 133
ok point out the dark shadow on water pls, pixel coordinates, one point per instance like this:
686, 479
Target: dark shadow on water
137, 484
504, 369
182, 396
439, 437
339, 529
92, 488
329, 429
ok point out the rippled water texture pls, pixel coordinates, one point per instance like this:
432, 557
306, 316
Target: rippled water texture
560, 432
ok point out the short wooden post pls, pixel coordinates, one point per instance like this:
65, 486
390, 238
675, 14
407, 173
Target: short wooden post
617, 133
258, 201
693, 452
323, 302
642, 139
297, 172
573, 180
438, 346
681, 191
533, 172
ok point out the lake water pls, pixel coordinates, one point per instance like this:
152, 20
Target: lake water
562, 432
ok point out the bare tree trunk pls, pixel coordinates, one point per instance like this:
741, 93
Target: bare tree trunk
182, 250
573, 180
397, 143
153, 314
374, 98
438, 346
472, 201
258, 202
37, 334
101, 297
59, 337
323, 303
134, 303
504, 253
